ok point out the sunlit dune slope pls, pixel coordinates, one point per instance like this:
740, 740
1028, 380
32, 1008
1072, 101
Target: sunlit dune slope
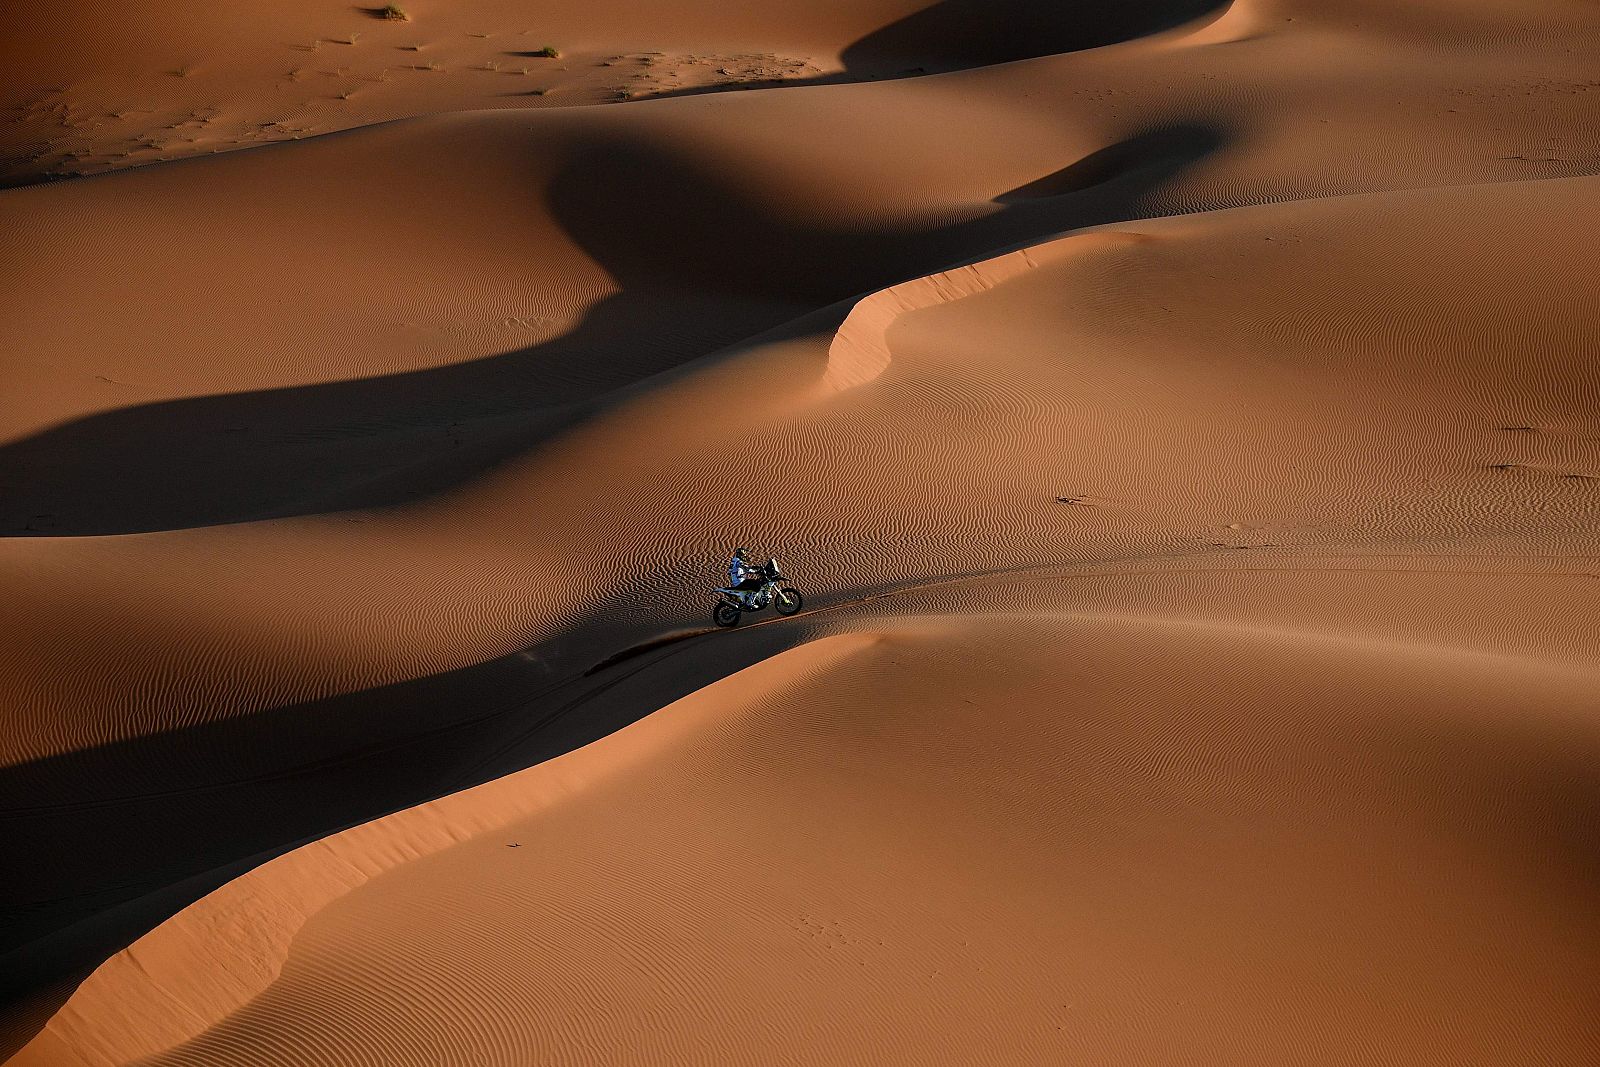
1183, 420
1436, 385
1187, 455
372, 318
993, 838
94, 87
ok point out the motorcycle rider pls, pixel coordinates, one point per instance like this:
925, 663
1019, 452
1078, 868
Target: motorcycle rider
752, 587
744, 576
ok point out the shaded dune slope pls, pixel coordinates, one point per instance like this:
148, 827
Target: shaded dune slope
1088, 875
680, 261
962, 33
88, 92
1106, 286
611, 271
1181, 565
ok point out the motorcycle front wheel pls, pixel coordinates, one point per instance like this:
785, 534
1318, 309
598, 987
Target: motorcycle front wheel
725, 614
787, 601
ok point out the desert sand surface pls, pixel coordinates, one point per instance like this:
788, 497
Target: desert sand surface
1182, 419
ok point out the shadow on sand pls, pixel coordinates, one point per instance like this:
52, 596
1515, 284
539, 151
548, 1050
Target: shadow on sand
387, 440
962, 34
122, 836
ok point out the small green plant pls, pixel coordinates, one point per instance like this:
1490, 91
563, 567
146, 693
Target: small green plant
395, 13
548, 52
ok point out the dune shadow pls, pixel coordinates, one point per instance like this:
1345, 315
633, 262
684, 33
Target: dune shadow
685, 292
122, 836
961, 34
369, 442
972, 33
1152, 157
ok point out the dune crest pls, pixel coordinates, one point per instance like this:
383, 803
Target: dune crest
1048, 835
209, 961
859, 351
1181, 417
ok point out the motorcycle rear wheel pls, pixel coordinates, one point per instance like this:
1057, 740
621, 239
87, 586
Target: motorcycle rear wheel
725, 614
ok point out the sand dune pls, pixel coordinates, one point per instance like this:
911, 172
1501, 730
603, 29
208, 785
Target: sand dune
1026, 853
1183, 420
91, 91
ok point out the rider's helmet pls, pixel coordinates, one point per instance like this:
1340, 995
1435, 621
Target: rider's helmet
740, 551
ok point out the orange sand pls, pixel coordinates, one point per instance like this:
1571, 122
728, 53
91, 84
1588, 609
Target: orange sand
1189, 448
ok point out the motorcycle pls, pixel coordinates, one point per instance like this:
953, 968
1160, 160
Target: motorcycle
733, 603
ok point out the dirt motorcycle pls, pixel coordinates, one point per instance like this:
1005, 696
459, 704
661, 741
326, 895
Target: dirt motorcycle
732, 603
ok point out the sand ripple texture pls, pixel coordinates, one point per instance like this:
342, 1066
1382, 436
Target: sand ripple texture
1183, 420
1335, 845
